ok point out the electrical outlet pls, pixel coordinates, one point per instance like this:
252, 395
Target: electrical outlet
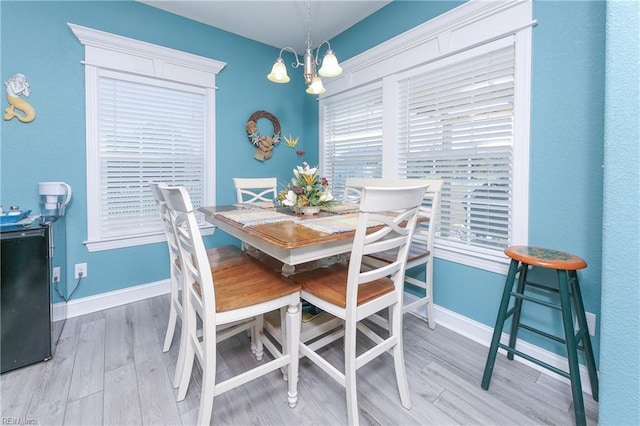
81, 270
56, 274
591, 323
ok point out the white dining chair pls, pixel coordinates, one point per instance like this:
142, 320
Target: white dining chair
238, 288
420, 252
216, 256
354, 291
175, 308
256, 190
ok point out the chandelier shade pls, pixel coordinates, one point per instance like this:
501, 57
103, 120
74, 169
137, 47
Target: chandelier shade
310, 62
330, 66
316, 87
278, 72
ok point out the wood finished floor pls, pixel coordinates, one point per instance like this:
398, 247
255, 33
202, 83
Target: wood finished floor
109, 369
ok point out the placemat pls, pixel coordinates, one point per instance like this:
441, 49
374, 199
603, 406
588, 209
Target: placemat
250, 217
256, 205
342, 208
333, 224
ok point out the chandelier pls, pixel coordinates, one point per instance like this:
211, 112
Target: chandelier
329, 68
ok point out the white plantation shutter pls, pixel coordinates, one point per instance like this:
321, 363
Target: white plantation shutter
456, 122
146, 133
352, 137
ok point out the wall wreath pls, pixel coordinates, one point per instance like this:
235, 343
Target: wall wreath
264, 144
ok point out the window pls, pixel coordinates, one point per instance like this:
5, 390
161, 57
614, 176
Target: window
149, 118
455, 121
352, 137
454, 108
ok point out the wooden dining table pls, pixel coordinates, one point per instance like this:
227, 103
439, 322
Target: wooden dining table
293, 239
286, 236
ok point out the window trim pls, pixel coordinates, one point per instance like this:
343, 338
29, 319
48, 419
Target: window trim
105, 51
470, 25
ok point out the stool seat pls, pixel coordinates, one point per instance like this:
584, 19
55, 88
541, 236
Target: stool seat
545, 258
576, 335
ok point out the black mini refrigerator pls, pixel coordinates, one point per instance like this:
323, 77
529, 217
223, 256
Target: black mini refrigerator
29, 295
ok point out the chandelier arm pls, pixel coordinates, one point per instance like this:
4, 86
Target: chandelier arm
317, 59
295, 64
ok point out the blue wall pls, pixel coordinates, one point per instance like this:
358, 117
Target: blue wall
567, 137
619, 366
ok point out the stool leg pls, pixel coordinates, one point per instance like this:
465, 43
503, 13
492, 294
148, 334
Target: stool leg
497, 330
586, 339
515, 321
572, 350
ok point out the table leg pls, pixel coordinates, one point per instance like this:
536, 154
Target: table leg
288, 270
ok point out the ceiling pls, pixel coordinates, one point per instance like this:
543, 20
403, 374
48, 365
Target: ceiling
278, 23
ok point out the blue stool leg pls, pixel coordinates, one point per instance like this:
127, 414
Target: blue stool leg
572, 350
515, 321
497, 330
586, 339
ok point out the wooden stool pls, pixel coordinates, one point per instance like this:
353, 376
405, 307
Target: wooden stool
565, 265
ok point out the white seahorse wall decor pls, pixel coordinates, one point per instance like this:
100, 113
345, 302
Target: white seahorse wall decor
17, 86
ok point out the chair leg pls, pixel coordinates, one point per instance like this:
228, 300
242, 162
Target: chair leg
208, 387
429, 294
572, 353
350, 373
515, 321
395, 327
187, 368
171, 328
586, 339
293, 323
497, 329
181, 354
283, 338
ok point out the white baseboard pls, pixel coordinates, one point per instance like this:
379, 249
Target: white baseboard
58, 311
482, 334
462, 325
87, 305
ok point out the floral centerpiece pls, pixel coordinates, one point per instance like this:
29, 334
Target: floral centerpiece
306, 190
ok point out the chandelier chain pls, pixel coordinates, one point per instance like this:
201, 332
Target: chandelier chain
309, 24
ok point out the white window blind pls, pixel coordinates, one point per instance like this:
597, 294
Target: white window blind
146, 133
352, 137
456, 122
